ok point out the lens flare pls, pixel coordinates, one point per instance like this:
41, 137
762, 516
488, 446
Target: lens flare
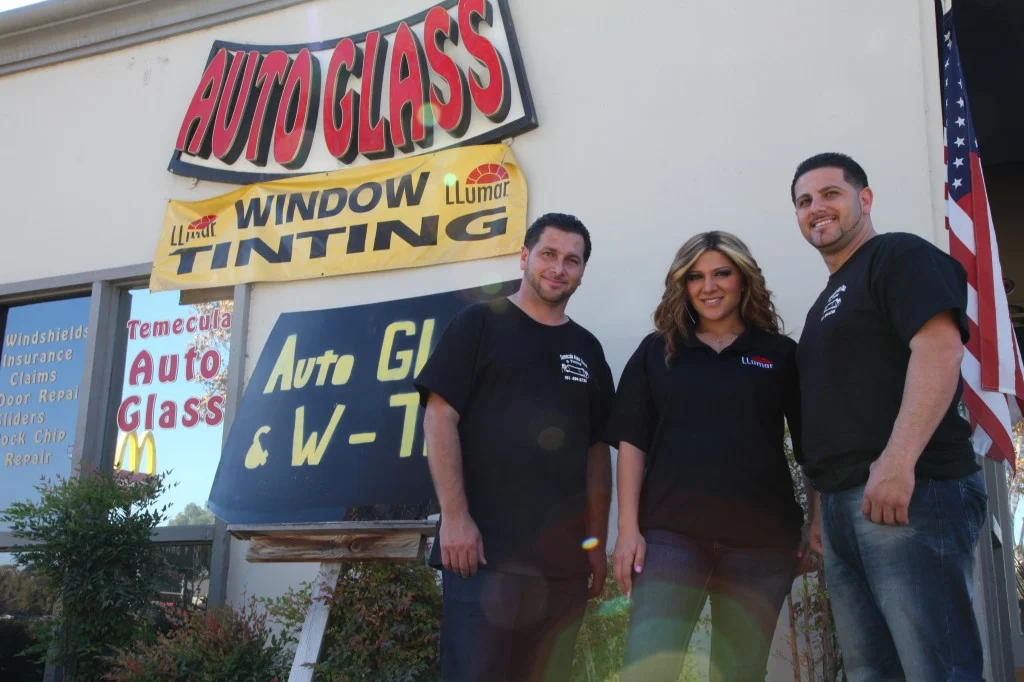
591, 543
427, 115
551, 439
614, 606
450, 179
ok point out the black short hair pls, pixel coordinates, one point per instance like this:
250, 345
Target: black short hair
559, 221
852, 171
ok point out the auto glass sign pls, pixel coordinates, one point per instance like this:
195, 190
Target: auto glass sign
448, 76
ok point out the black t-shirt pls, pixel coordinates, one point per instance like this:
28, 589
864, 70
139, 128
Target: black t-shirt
713, 428
853, 357
531, 399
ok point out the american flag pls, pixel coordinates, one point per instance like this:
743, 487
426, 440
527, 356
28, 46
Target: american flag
993, 380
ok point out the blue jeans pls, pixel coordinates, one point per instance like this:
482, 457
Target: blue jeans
901, 595
746, 587
506, 627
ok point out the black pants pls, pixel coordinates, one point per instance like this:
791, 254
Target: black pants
505, 627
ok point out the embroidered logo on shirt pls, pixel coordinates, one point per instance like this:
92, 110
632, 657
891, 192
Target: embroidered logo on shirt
757, 361
833, 302
574, 368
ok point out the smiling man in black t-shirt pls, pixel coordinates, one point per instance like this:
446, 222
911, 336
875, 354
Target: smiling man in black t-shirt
901, 501
516, 398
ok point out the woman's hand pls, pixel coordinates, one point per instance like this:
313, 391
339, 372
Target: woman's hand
629, 555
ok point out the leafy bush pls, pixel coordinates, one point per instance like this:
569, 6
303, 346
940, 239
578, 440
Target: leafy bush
92, 547
384, 625
16, 636
218, 645
23, 594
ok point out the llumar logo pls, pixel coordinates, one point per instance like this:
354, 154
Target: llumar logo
197, 229
486, 182
757, 361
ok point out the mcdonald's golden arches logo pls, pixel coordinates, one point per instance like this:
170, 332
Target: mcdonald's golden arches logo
132, 452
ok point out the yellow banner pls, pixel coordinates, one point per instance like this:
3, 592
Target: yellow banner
459, 204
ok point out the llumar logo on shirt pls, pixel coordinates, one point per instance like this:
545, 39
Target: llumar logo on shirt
833, 302
757, 361
574, 368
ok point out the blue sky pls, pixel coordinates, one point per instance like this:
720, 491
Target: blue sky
192, 454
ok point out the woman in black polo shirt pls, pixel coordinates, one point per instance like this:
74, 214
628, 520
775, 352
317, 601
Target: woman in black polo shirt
706, 502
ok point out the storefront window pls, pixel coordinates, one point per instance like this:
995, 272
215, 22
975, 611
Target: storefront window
187, 583
171, 415
42, 363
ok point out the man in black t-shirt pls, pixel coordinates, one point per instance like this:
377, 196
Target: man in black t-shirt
901, 499
517, 396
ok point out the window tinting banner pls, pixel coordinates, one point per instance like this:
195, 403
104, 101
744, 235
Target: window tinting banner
460, 204
330, 427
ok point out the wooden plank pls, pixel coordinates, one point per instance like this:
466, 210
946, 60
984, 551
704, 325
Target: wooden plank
244, 531
312, 638
392, 546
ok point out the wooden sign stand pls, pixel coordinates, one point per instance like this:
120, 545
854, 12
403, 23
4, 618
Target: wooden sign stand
330, 544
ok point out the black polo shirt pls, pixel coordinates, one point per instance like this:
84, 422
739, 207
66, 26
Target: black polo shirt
713, 428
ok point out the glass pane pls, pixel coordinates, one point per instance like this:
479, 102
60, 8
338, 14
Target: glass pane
187, 583
42, 363
171, 414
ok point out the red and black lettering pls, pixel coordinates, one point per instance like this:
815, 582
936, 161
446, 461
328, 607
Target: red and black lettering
197, 127
386, 92
453, 114
297, 111
495, 99
408, 92
234, 113
341, 116
374, 129
270, 82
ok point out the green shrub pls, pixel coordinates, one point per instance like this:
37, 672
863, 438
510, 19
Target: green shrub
385, 622
384, 625
92, 547
23, 594
217, 645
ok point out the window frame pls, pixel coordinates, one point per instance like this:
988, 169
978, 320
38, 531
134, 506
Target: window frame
101, 384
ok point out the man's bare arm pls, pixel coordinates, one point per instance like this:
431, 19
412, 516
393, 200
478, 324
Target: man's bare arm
461, 545
936, 352
599, 500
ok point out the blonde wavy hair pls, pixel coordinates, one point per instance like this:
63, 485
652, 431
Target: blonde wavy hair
675, 320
